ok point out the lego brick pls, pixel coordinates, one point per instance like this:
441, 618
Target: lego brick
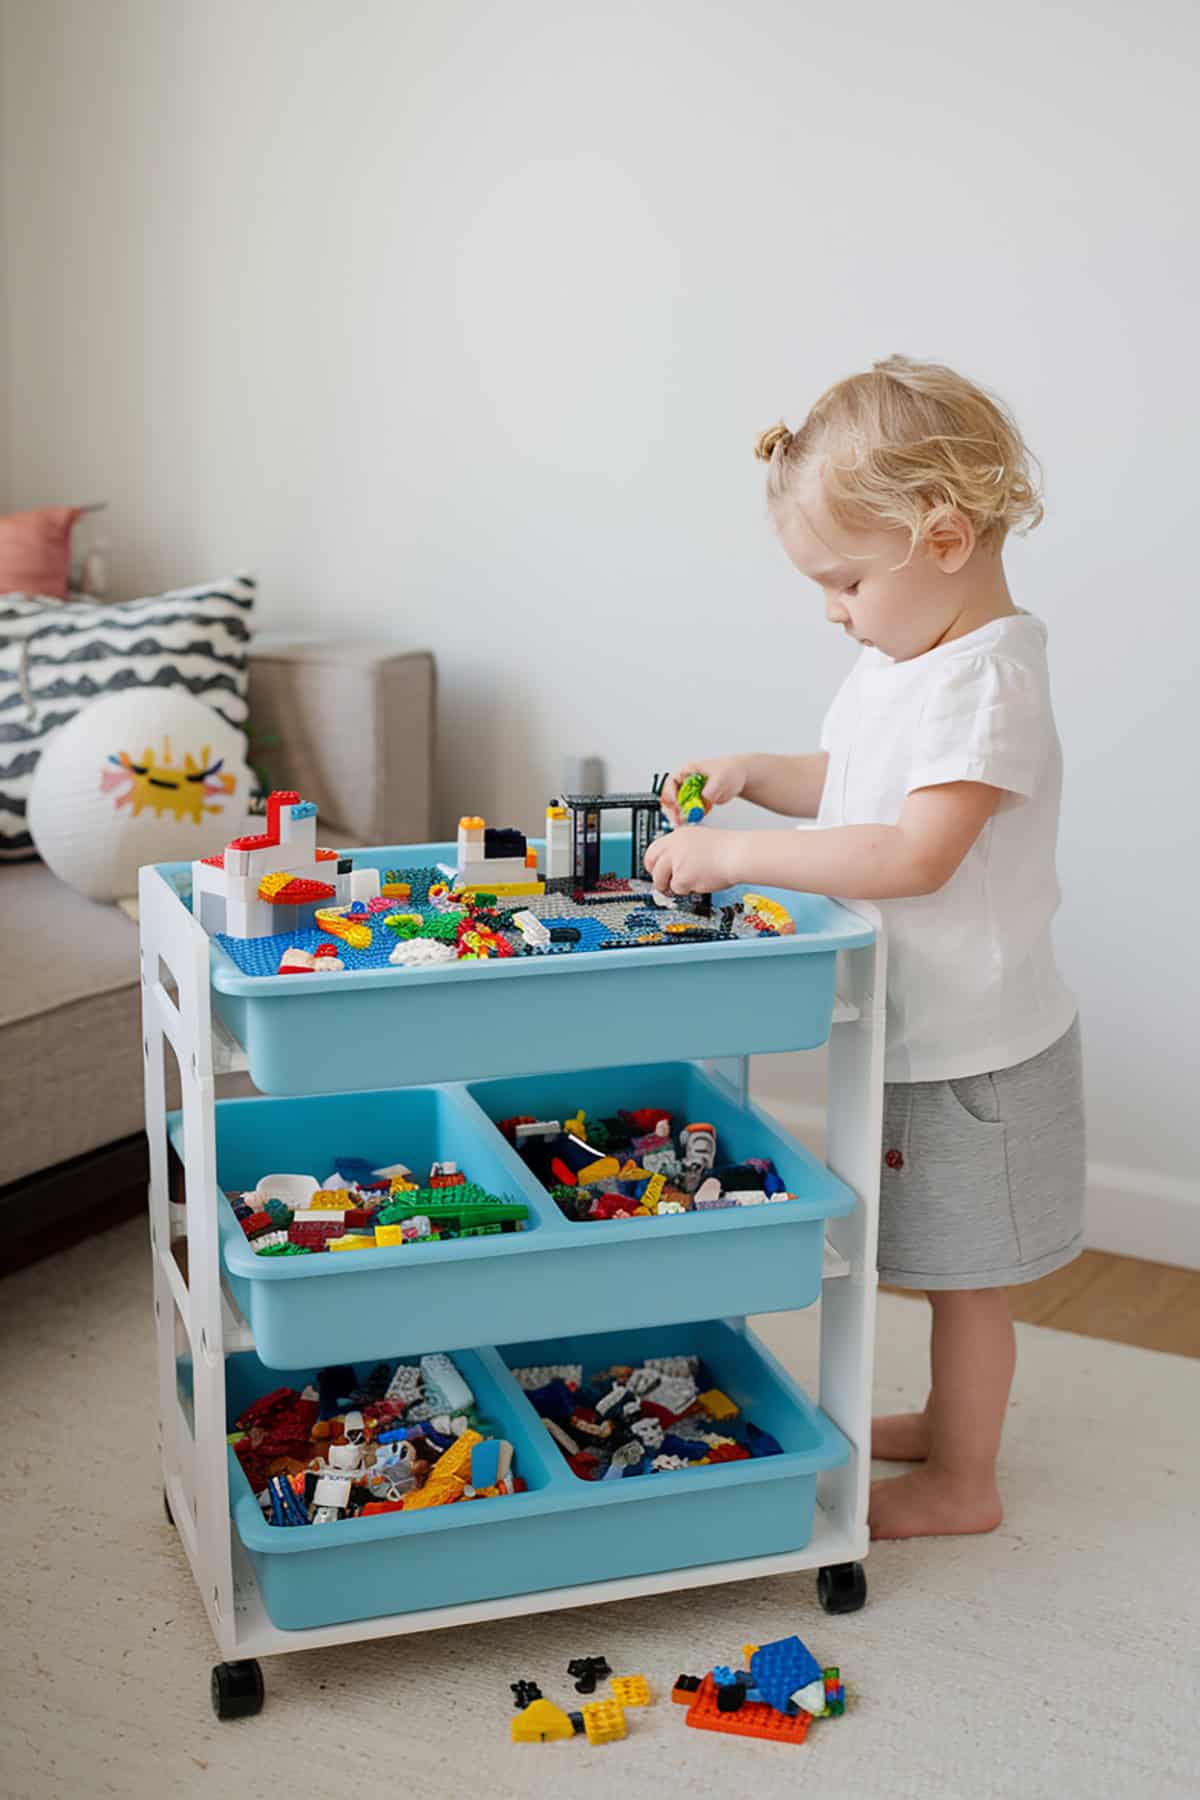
540, 1723
631, 1690
603, 1721
752, 1719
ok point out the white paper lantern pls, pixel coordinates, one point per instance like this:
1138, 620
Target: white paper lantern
150, 775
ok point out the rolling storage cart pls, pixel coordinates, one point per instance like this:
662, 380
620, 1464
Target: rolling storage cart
347, 1060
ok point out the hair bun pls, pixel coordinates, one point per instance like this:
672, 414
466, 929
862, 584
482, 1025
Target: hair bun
770, 440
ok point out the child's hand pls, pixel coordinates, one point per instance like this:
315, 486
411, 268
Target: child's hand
726, 779
694, 860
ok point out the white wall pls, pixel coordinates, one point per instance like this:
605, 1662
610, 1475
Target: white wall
457, 322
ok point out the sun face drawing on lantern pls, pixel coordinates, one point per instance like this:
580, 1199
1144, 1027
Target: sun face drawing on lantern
183, 792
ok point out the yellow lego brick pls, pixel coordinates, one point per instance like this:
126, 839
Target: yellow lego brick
271, 884
396, 890
436, 1492
653, 1191
540, 1722
502, 887
455, 1462
717, 1405
604, 1722
631, 1690
386, 1235
749, 1650
630, 1171
353, 1240
401, 1186
606, 1168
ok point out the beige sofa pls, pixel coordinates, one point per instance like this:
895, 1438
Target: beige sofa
350, 726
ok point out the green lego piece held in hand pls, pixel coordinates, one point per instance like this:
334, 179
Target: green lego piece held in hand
690, 799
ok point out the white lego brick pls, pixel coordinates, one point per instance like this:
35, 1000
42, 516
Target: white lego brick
364, 884
237, 862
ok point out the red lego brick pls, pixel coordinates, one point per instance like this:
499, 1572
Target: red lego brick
299, 891
257, 1223
752, 1719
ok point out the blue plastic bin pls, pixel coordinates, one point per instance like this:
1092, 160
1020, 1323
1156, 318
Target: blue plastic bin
351, 1305
563, 1531
455, 1021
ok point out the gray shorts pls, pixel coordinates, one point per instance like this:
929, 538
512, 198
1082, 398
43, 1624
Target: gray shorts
983, 1178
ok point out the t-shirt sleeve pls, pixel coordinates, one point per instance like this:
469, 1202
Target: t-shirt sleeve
986, 719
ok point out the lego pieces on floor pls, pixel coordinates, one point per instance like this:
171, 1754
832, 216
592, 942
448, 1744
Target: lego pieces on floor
744, 1718
755, 1702
402, 1438
652, 1418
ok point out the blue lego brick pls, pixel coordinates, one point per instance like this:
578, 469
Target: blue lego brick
780, 1668
592, 933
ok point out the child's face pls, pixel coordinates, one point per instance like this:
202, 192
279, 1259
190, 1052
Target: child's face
879, 594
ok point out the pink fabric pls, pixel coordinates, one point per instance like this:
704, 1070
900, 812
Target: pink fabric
35, 551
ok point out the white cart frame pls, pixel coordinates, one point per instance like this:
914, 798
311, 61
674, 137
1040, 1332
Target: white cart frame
176, 1007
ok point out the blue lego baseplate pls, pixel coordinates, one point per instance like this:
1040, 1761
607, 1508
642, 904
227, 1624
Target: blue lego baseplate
631, 917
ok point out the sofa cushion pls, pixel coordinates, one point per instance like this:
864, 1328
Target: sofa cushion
56, 656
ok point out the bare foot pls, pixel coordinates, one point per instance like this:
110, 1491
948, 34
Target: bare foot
929, 1503
900, 1437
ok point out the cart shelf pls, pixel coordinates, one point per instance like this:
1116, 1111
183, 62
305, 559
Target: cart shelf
466, 1046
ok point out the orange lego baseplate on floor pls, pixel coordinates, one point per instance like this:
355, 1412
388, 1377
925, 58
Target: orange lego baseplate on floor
753, 1718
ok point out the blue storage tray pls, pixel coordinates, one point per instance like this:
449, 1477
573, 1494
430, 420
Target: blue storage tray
460, 1021
352, 1305
563, 1531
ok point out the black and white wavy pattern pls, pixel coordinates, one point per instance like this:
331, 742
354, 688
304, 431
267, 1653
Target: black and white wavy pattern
57, 655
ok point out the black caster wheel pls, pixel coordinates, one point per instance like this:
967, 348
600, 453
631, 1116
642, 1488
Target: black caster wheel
237, 1689
842, 1587
167, 1508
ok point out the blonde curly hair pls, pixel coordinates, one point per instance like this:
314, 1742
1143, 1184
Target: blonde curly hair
904, 445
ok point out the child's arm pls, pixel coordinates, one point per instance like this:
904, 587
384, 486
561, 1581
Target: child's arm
916, 855
790, 785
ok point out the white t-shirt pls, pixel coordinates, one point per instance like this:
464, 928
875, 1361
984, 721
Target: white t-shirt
972, 981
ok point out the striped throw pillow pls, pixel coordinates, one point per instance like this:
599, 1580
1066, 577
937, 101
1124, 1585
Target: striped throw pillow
56, 655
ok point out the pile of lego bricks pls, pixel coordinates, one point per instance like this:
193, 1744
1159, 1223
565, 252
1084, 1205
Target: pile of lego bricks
637, 1164
779, 1693
419, 919
601, 1720
405, 1437
653, 1418
776, 1697
361, 1208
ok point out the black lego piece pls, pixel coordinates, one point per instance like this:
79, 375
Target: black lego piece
503, 841
525, 1693
588, 1670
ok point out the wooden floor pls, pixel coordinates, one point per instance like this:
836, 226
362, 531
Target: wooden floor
1150, 1304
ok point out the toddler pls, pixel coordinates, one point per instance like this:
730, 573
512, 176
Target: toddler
936, 788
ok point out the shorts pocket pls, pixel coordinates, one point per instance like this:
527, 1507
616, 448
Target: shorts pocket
977, 1097
947, 1212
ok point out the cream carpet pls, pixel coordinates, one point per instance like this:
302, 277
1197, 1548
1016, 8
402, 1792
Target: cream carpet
1057, 1657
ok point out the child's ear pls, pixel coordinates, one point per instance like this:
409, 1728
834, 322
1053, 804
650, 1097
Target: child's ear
950, 539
